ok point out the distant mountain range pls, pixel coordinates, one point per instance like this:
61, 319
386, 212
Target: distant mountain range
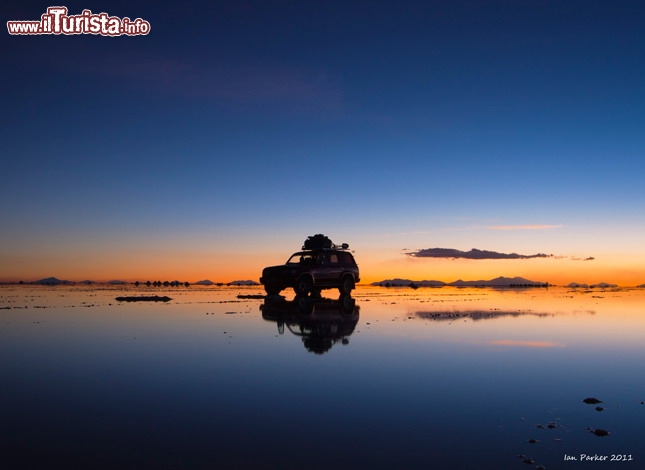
600, 284
208, 282
396, 282
244, 283
497, 282
53, 281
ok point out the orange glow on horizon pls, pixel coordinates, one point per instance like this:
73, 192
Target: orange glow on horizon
194, 264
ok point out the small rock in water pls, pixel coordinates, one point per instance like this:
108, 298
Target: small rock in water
599, 408
591, 401
533, 441
599, 432
551, 425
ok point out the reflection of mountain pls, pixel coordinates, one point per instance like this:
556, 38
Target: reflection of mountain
476, 314
398, 282
320, 322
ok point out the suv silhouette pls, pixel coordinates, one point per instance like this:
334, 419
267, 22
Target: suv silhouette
320, 265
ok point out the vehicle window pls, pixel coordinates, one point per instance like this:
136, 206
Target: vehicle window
302, 258
308, 259
333, 259
347, 259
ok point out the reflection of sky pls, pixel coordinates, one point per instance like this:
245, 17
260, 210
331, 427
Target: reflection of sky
204, 379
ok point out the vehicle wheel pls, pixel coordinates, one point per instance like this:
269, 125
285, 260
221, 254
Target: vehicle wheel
303, 286
305, 305
346, 285
272, 289
347, 305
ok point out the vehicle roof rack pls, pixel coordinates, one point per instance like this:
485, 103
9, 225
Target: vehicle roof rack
322, 242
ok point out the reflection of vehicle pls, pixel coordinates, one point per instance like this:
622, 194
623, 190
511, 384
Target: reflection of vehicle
321, 265
320, 323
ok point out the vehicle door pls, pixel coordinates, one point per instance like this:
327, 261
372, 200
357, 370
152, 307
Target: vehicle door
332, 268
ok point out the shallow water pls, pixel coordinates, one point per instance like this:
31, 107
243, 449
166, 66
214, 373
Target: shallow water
391, 378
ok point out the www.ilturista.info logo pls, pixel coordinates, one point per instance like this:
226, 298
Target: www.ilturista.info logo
56, 21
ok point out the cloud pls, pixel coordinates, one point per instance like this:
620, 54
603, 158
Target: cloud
239, 83
298, 88
522, 227
472, 254
528, 344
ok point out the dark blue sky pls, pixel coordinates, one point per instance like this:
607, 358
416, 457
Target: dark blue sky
387, 124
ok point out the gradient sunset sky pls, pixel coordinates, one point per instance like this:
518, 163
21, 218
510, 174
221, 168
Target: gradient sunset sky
214, 145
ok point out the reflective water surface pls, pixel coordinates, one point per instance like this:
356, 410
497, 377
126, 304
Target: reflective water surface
219, 377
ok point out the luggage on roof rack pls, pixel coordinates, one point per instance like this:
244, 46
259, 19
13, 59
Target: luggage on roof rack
322, 242
317, 242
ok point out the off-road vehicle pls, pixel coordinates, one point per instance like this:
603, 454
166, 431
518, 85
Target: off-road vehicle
320, 265
320, 323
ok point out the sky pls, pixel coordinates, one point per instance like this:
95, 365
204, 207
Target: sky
415, 131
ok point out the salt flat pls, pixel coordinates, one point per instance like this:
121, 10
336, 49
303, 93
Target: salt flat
218, 377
